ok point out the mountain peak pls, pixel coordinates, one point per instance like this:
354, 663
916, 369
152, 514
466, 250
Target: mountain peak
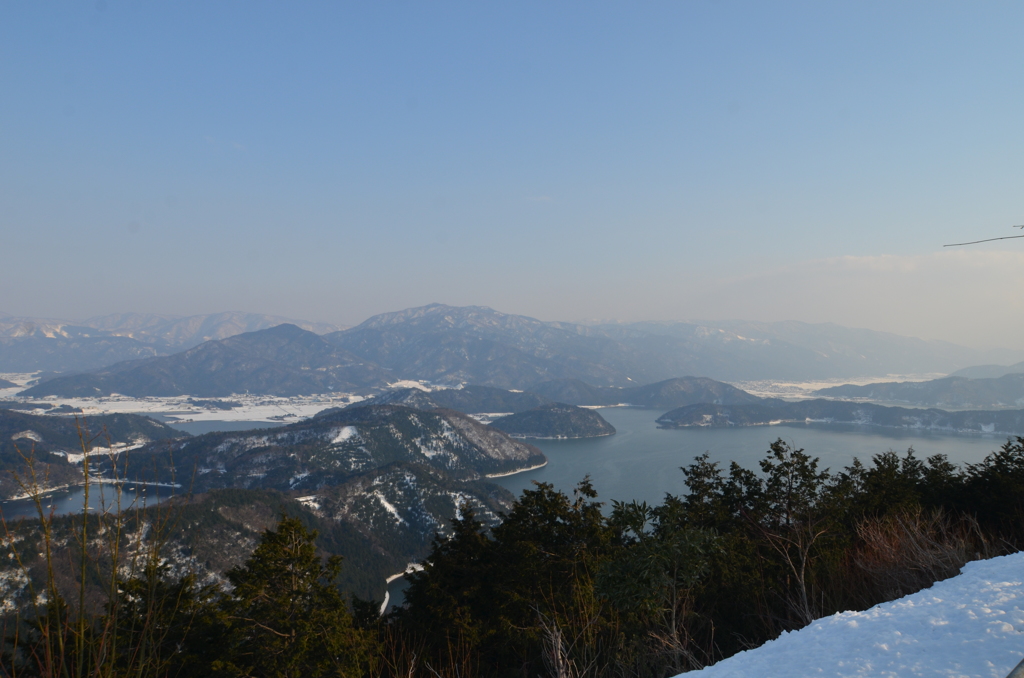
435, 314
284, 330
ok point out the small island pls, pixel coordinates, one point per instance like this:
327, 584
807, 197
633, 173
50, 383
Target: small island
555, 420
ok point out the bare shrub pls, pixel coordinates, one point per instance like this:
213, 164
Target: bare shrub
910, 550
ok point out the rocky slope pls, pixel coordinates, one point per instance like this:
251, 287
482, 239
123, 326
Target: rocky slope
328, 450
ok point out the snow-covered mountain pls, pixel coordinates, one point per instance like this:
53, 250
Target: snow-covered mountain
476, 344
452, 345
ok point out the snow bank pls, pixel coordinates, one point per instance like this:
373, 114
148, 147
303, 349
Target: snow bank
969, 625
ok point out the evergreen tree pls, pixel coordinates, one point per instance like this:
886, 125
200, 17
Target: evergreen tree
287, 619
163, 626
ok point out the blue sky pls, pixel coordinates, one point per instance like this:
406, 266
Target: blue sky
562, 160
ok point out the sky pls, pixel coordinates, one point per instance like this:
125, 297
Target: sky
567, 161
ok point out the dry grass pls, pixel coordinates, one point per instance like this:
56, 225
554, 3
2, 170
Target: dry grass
911, 550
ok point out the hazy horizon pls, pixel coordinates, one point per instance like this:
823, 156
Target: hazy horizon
675, 161
576, 321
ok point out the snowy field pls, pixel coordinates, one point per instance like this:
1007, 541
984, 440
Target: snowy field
270, 408
178, 408
970, 625
803, 390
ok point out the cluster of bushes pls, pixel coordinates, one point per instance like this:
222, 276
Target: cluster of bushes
561, 587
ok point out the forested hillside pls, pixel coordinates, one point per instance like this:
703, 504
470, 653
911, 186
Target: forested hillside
638, 590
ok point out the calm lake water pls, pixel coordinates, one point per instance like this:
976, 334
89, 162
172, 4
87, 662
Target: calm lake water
641, 461
102, 497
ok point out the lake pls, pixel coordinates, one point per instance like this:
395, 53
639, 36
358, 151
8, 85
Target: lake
642, 461
102, 497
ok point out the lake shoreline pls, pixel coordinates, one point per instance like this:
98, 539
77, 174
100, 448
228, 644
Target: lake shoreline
522, 470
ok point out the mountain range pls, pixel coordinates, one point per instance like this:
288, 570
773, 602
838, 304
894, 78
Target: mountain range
989, 371
284, 360
474, 344
380, 480
47, 344
951, 392
449, 345
666, 394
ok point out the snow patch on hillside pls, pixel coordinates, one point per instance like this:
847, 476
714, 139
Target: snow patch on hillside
389, 507
969, 625
343, 434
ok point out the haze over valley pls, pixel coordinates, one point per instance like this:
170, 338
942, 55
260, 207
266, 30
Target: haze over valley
383, 340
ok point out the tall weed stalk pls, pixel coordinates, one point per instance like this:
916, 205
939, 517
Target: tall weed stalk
74, 569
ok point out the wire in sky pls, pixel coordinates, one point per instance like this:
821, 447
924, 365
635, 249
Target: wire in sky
975, 242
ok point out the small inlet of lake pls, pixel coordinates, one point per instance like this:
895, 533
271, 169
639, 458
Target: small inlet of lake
103, 498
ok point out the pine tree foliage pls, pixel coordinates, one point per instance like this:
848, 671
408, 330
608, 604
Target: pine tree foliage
286, 618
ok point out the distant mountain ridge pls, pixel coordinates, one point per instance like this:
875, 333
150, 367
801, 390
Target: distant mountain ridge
950, 392
989, 371
452, 346
666, 394
34, 344
475, 344
167, 331
284, 360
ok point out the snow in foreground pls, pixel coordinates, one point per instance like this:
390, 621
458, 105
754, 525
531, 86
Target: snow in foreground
970, 625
